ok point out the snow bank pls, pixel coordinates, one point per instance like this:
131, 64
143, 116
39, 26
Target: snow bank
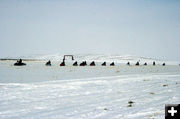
37, 91
92, 98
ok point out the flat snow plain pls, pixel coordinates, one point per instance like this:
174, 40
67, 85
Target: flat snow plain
36, 91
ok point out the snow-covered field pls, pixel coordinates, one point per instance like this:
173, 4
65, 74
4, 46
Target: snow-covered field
36, 91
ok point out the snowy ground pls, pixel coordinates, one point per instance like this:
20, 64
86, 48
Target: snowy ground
36, 91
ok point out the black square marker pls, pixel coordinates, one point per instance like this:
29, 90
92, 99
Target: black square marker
172, 111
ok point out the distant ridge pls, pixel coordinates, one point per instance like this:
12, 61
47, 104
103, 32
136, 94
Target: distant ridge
4, 59
95, 57
121, 59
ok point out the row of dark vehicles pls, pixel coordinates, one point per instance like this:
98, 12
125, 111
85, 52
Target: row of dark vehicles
84, 63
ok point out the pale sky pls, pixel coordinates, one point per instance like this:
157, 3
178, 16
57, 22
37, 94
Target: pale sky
149, 28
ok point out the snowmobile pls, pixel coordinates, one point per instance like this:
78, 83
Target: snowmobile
75, 64
48, 63
112, 64
92, 63
19, 63
103, 64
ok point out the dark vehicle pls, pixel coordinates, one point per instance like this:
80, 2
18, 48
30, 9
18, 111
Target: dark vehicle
48, 63
83, 63
92, 63
19, 63
137, 64
75, 64
62, 63
112, 64
103, 64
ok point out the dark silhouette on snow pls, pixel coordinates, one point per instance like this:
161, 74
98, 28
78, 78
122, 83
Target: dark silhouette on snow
62, 63
83, 63
163, 64
112, 64
75, 64
154, 63
19, 63
145, 64
137, 64
92, 63
128, 63
48, 63
103, 64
